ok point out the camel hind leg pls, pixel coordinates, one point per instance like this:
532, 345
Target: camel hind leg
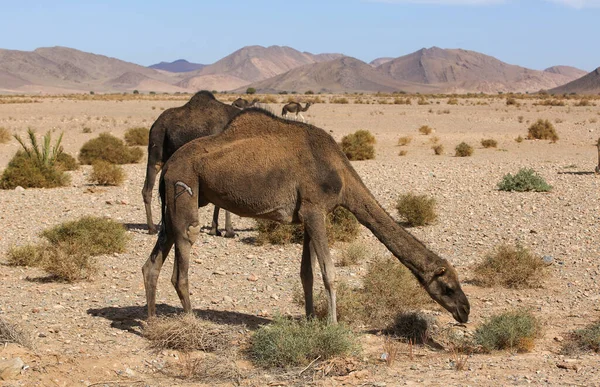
309, 258
214, 229
151, 268
151, 172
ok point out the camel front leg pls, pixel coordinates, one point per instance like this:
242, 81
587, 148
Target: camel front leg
307, 275
314, 224
214, 229
179, 279
151, 268
229, 233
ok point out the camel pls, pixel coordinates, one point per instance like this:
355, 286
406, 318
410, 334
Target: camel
201, 116
598, 166
242, 103
295, 107
284, 171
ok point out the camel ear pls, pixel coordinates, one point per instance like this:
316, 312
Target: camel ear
439, 271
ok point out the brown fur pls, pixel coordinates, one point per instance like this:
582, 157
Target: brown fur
288, 172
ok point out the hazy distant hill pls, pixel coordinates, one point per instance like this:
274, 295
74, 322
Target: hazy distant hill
178, 66
461, 70
588, 84
567, 71
380, 61
339, 75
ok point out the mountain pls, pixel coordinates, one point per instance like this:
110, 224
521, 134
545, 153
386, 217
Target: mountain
457, 70
380, 61
588, 84
567, 70
178, 66
335, 76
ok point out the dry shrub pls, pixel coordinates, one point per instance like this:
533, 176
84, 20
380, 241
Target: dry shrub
438, 149
452, 101
426, 130
513, 330
582, 340
105, 173
511, 101
186, 332
342, 226
11, 333
434, 140
402, 141
108, 148
403, 153
341, 100
416, 210
207, 368
542, 130
415, 327
402, 101
584, 102
359, 145
489, 143
519, 139
4, 135
28, 255
269, 99
389, 288
66, 162
67, 261
511, 267
352, 254
137, 136
422, 101
90, 234
287, 343
463, 150
349, 302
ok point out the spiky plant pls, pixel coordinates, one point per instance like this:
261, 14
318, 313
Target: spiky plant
47, 155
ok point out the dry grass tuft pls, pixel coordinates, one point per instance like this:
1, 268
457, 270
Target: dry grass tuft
511, 267
67, 262
137, 136
185, 332
207, 368
426, 130
438, 149
582, 340
359, 145
405, 140
11, 333
4, 135
28, 255
105, 173
519, 139
513, 330
542, 130
463, 150
489, 143
403, 153
416, 210
109, 148
352, 254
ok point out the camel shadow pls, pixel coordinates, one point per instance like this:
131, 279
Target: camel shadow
131, 318
578, 173
136, 227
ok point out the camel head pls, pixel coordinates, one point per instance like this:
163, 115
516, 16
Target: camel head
444, 288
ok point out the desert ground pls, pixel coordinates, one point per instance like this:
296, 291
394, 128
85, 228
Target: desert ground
89, 332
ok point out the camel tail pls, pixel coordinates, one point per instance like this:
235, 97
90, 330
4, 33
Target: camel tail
163, 201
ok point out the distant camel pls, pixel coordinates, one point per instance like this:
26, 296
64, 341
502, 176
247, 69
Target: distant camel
201, 116
295, 107
242, 103
598, 166
288, 172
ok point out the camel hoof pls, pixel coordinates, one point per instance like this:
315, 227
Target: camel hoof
152, 231
214, 232
229, 234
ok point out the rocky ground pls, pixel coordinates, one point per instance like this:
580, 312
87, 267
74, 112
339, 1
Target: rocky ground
88, 333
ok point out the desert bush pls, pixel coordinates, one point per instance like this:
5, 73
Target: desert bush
12, 333
207, 368
341, 100
27, 255
416, 210
463, 150
402, 101
4, 135
89, 234
35, 166
525, 180
583, 102
137, 136
349, 302
550, 102
250, 90
185, 332
389, 288
519, 139
514, 330
438, 149
542, 130
422, 101
108, 148
520, 119
105, 173
581, 340
285, 342
403, 152
268, 99
511, 101
424, 129
415, 327
452, 101
405, 140
342, 226
352, 254
66, 162
359, 145
68, 261
511, 267
489, 143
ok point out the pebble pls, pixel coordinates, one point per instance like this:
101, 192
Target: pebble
11, 368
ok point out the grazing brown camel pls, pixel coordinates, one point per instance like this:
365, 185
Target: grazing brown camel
242, 103
201, 116
294, 107
284, 171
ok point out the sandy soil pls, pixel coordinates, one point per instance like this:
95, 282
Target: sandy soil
89, 332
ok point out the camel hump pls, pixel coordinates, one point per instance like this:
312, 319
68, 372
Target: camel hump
201, 97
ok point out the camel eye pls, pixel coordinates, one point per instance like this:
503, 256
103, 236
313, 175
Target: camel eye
449, 291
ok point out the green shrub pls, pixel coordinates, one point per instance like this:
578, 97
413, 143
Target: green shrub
416, 327
4, 135
28, 255
511, 267
66, 162
137, 136
513, 330
90, 234
250, 90
525, 180
489, 143
359, 145
438, 149
108, 148
416, 210
285, 343
105, 173
542, 130
585, 339
463, 150
424, 129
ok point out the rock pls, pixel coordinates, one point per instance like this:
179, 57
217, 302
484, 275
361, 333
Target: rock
558, 338
19, 188
11, 368
252, 278
129, 373
548, 259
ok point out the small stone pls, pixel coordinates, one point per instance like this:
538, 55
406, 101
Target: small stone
19, 188
252, 278
11, 368
129, 373
548, 259
227, 299
250, 256
558, 338
218, 272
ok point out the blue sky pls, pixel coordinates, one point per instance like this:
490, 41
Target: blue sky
531, 33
